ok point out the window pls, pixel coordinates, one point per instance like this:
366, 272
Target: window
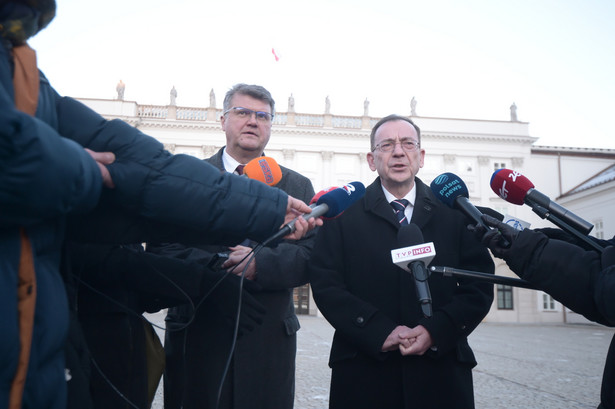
505, 297
598, 229
497, 166
548, 303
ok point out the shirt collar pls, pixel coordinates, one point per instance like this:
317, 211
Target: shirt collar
410, 196
229, 163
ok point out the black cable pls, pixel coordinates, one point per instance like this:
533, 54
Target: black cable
253, 254
130, 311
194, 308
111, 383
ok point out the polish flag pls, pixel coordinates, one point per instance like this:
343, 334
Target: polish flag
275, 55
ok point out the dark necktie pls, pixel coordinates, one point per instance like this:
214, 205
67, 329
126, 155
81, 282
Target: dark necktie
399, 205
239, 169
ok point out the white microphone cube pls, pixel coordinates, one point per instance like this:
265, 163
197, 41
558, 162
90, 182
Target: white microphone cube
421, 252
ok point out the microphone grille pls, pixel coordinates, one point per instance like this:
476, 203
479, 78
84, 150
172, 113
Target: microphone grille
264, 169
409, 235
510, 185
341, 198
447, 187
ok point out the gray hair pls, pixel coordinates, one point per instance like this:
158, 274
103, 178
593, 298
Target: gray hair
254, 91
389, 118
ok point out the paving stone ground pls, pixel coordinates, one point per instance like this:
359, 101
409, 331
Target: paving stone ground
520, 366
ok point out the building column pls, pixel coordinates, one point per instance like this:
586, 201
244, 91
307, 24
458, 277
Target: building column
327, 167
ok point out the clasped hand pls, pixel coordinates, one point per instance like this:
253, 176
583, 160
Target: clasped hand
409, 341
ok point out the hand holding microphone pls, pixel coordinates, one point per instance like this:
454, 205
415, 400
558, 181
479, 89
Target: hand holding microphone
300, 225
492, 236
266, 170
329, 205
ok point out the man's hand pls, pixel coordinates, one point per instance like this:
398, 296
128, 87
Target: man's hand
236, 259
295, 209
401, 335
418, 341
102, 159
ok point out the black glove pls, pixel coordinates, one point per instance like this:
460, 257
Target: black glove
225, 299
493, 238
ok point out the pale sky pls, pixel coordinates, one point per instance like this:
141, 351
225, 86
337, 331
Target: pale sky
554, 59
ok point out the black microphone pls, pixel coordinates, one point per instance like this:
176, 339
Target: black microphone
412, 257
329, 205
515, 188
450, 190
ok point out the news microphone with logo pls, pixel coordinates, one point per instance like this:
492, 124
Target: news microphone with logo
453, 192
328, 206
318, 195
413, 257
515, 188
264, 169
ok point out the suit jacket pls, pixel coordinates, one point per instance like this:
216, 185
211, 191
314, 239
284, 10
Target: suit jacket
365, 296
263, 367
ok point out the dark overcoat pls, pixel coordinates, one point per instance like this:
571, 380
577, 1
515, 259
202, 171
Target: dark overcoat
365, 296
583, 280
262, 374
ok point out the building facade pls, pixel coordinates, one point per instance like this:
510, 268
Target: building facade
331, 151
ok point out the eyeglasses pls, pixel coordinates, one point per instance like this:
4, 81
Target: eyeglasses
389, 144
244, 113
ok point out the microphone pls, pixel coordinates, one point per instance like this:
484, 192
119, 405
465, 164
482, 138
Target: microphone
330, 204
413, 259
453, 192
264, 169
515, 188
318, 195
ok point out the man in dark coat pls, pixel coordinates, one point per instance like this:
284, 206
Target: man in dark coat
262, 371
579, 277
385, 352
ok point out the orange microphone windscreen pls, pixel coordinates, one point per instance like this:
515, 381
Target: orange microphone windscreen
264, 169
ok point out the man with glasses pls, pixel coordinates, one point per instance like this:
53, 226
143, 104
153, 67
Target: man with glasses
262, 371
386, 353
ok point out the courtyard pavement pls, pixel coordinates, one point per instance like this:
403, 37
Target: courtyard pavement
551, 366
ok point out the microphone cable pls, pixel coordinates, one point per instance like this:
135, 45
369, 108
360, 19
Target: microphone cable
130, 311
252, 254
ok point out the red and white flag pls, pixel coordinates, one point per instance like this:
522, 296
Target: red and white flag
275, 55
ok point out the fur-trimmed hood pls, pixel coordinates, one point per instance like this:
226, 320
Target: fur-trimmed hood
22, 19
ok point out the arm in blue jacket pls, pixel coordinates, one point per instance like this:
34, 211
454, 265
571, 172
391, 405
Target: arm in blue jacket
177, 189
37, 180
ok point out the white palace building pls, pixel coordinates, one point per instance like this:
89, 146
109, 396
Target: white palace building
331, 151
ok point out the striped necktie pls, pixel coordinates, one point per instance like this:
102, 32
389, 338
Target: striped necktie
399, 205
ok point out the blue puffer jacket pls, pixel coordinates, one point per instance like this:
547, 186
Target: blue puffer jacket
38, 186
45, 174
